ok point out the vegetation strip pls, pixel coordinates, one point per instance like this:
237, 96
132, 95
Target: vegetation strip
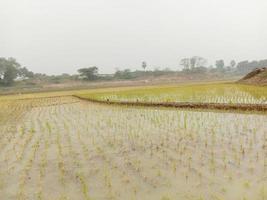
193, 105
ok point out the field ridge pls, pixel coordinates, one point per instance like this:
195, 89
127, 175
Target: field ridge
191, 105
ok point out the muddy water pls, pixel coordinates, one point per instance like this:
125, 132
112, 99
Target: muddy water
63, 148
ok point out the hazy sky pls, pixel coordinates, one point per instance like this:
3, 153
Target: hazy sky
56, 36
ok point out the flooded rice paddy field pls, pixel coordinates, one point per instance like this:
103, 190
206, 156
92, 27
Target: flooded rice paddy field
63, 148
202, 93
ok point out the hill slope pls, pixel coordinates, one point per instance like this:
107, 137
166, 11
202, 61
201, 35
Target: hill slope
257, 76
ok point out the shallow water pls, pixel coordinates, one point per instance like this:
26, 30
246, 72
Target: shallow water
61, 148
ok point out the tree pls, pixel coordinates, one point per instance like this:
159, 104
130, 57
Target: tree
197, 61
232, 63
185, 62
244, 67
90, 73
262, 63
10, 75
219, 64
193, 62
25, 73
144, 65
9, 70
124, 74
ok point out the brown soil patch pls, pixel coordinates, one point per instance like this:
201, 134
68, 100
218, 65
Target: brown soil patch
257, 76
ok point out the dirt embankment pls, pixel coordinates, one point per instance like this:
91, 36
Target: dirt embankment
256, 77
208, 106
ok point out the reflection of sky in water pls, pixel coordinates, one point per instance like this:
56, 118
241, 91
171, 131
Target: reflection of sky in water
140, 153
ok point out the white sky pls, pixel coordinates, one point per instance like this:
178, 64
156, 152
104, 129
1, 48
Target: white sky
56, 36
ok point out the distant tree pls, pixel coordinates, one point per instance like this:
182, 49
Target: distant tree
124, 74
2, 68
167, 69
193, 62
198, 61
185, 62
253, 64
9, 70
199, 70
244, 67
10, 75
90, 73
232, 63
65, 76
144, 65
156, 69
219, 64
25, 73
262, 63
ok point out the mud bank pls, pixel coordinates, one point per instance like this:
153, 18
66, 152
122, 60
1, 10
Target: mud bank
210, 106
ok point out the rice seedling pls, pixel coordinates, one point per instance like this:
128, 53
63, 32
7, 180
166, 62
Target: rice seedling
208, 93
63, 150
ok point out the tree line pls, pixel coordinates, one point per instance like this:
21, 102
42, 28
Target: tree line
194, 63
11, 70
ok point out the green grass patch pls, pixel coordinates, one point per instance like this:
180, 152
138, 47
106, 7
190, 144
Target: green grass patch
208, 93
